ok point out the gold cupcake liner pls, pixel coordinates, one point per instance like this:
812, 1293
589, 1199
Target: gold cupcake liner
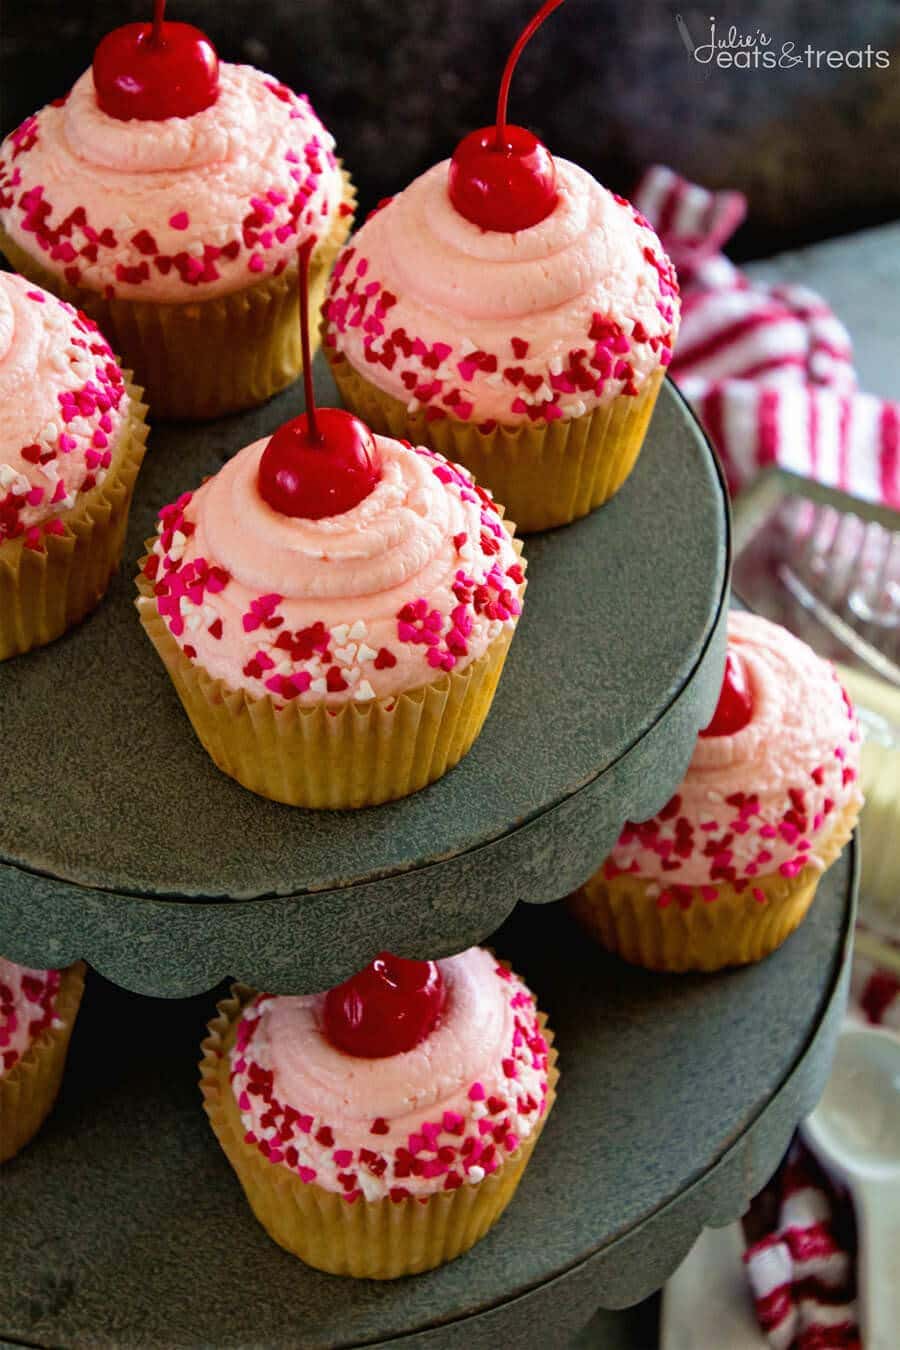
29, 1089
329, 757
370, 1239
199, 360
546, 475
43, 594
732, 930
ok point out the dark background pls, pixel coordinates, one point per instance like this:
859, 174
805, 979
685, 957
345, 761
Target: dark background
607, 83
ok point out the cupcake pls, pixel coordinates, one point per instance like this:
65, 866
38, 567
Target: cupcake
381, 1129
729, 867
166, 195
72, 439
37, 1012
513, 314
334, 609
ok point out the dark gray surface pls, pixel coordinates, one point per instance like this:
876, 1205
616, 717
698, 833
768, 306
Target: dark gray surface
606, 84
615, 667
124, 1226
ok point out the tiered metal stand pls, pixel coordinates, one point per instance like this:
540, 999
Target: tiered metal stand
122, 844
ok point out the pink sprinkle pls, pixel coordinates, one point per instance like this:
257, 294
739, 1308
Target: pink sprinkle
256, 263
306, 1174
476, 1093
343, 1157
180, 220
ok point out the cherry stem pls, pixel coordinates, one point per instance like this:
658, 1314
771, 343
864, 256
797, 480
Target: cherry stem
159, 13
304, 255
524, 38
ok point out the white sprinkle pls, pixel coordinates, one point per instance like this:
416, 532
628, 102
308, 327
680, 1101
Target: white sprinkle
556, 366
318, 686
193, 621
124, 223
340, 632
479, 1110
346, 654
465, 551
544, 393
50, 433
364, 692
467, 347
495, 380
179, 539
284, 667
476, 1173
365, 653
578, 408
358, 630
413, 405
351, 674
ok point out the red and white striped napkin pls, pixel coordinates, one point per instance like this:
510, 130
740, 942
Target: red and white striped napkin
768, 369
803, 1274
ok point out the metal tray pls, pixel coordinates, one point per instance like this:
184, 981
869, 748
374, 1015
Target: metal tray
126, 1229
122, 843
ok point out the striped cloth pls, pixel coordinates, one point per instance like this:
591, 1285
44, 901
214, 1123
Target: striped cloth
768, 369
803, 1274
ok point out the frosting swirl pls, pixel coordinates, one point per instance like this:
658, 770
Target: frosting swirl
447, 1112
756, 802
27, 1008
417, 579
491, 326
64, 401
184, 208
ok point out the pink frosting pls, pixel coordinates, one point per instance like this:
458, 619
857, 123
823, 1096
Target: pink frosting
418, 579
27, 1007
495, 327
447, 1112
757, 802
63, 399
185, 208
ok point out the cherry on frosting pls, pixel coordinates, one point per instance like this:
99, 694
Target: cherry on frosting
503, 178
323, 462
151, 71
386, 1009
735, 706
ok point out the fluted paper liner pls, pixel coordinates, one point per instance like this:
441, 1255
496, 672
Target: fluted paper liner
29, 1089
374, 1239
326, 756
44, 593
545, 474
732, 930
202, 359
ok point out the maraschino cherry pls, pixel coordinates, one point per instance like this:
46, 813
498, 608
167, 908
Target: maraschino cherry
151, 71
502, 177
323, 462
388, 1008
735, 706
